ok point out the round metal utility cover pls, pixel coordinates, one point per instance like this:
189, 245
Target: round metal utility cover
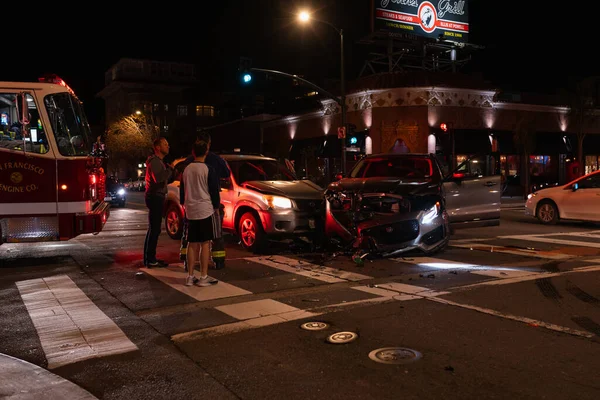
314, 326
394, 355
342, 337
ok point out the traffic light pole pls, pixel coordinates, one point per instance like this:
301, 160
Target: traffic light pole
296, 77
340, 100
343, 98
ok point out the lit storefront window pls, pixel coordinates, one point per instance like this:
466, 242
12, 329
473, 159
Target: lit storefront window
592, 163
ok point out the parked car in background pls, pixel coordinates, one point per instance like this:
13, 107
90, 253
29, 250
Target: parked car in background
115, 192
394, 203
577, 200
127, 183
139, 185
263, 200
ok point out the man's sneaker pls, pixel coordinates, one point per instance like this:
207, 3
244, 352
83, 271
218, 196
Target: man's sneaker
208, 281
190, 280
157, 264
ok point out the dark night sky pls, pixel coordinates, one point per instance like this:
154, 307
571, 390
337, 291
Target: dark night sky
535, 47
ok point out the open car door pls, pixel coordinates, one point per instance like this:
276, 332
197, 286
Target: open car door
472, 193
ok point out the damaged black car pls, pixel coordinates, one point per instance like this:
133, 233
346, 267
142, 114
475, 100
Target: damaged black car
394, 203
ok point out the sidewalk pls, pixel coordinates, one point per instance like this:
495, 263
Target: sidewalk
24, 381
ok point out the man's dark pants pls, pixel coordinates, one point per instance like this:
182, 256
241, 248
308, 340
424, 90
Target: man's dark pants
155, 204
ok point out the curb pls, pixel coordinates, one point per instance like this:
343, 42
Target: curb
22, 380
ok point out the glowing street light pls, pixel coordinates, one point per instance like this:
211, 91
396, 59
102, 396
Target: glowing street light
304, 17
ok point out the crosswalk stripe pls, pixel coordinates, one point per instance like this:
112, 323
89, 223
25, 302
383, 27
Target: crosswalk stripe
550, 255
256, 309
491, 271
325, 274
70, 326
174, 276
399, 291
549, 239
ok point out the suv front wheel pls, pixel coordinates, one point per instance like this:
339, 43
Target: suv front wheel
174, 221
251, 233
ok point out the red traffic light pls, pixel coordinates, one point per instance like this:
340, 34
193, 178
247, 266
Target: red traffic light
444, 127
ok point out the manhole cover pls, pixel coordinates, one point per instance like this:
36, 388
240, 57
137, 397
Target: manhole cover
394, 355
342, 337
314, 326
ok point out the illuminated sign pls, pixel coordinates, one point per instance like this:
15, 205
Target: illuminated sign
446, 19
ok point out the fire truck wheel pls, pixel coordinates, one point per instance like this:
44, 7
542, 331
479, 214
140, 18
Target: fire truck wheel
174, 222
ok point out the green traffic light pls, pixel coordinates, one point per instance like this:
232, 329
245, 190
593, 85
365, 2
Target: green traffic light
247, 78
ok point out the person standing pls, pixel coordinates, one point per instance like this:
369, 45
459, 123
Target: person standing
218, 164
199, 193
158, 174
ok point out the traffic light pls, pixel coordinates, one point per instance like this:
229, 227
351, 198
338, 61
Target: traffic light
244, 70
444, 127
353, 140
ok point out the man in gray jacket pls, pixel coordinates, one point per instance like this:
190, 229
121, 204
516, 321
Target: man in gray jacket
158, 174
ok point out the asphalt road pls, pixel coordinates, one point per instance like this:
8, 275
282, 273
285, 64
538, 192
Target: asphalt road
505, 312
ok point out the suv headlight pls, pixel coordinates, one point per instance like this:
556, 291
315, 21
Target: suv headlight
277, 202
121, 192
430, 214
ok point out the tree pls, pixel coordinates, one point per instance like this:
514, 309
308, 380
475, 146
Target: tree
524, 139
129, 139
582, 111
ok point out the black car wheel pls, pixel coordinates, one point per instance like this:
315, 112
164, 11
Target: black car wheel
251, 232
174, 222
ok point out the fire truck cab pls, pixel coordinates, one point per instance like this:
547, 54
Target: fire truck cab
52, 184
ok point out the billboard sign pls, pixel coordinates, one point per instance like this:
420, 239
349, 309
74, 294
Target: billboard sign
447, 19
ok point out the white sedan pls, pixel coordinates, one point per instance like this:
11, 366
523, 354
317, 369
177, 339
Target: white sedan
578, 200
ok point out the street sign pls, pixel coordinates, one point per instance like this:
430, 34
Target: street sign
342, 132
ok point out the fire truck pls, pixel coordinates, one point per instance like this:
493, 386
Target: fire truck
52, 182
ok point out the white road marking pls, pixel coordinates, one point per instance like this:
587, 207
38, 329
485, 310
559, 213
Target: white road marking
526, 320
70, 326
525, 278
520, 252
239, 326
505, 274
547, 238
256, 309
325, 274
439, 263
174, 276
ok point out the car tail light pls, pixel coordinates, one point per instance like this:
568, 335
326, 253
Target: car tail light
92, 184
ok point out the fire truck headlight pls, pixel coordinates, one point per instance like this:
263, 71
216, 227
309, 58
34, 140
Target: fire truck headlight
121, 192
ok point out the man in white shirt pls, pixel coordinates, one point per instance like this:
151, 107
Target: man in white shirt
199, 193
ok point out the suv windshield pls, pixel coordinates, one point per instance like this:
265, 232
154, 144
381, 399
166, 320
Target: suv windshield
393, 167
70, 125
260, 170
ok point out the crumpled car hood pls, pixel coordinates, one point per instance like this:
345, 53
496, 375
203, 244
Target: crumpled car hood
304, 189
384, 185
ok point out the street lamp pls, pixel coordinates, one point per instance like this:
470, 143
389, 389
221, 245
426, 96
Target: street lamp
304, 17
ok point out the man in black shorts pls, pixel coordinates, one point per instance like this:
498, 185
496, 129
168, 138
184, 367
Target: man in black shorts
199, 193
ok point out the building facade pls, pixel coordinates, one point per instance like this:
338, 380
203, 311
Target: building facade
441, 119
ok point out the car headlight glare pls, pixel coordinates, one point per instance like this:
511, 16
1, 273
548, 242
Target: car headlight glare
121, 192
277, 202
430, 214
530, 195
